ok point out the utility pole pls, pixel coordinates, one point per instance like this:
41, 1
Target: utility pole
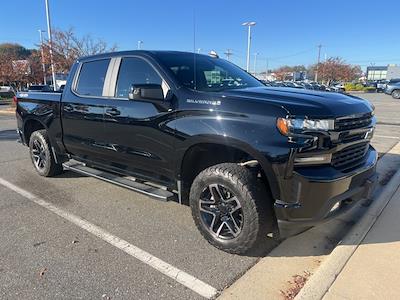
228, 54
42, 52
139, 45
249, 25
319, 58
266, 72
50, 45
255, 62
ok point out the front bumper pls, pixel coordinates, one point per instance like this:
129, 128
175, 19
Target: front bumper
317, 194
388, 91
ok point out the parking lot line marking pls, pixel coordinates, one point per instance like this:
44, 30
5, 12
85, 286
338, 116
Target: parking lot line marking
388, 136
165, 268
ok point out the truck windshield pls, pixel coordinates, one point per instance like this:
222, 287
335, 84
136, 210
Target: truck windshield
208, 74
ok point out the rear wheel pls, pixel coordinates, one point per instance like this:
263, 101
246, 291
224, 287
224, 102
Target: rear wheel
396, 94
42, 156
231, 209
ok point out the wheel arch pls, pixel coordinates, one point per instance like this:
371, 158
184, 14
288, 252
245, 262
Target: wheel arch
197, 157
31, 125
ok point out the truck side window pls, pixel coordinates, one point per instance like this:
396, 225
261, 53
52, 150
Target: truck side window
91, 78
134, 71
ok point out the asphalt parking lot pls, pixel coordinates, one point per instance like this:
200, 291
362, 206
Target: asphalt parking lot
45, 255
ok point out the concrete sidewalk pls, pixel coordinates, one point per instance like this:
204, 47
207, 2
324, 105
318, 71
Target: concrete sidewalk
373, 271
7, 109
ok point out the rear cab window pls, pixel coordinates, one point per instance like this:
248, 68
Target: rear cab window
91, 78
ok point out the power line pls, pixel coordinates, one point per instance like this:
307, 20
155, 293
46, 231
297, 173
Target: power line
228, 53
291, 55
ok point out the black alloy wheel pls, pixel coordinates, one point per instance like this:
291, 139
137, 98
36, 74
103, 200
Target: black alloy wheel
221, 212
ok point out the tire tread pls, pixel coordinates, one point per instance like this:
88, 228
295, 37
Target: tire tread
252, 191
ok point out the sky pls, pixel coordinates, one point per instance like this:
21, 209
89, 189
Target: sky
287, 32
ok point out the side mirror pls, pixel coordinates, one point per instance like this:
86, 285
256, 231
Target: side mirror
146, 92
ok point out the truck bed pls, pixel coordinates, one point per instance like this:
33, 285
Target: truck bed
38, 96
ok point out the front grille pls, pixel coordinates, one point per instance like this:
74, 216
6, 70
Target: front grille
350, 157
344, 137
353, 122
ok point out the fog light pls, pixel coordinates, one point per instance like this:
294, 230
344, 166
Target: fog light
318, 159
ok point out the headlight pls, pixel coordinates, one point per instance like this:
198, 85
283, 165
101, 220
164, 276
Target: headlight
297, 125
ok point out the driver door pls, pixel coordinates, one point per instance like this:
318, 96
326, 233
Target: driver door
138, 138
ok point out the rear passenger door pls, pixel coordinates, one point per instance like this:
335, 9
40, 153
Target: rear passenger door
82, 110
138, 136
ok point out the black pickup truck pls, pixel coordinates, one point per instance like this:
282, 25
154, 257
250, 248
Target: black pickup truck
249, 160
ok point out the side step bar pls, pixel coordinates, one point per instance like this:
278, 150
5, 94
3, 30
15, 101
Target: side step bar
151, 191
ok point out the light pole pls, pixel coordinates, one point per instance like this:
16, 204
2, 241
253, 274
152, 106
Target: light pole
50, 45
319, 58
41, 48
248, 24
255, 62
139, 45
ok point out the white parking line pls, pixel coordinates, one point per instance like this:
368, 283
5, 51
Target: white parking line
388, 137
180, 276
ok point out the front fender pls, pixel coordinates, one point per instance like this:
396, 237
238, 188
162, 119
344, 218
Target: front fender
255, 135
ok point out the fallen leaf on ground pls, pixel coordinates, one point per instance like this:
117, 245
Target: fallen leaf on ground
44, 270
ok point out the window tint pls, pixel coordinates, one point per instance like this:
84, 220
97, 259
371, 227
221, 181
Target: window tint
134, 71
207, 74
91, 78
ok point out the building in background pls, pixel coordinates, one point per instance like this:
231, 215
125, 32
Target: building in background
393, 71
383, 72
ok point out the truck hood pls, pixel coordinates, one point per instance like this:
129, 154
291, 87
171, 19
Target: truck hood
302, 102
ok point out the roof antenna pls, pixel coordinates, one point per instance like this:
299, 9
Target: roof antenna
194, 50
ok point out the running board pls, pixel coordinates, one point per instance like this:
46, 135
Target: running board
151, 191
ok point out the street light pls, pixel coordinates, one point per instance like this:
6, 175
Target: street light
41, 47
139, 44
248, 24
50, 45
255, 62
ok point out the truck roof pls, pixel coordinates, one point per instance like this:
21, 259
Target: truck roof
152, 53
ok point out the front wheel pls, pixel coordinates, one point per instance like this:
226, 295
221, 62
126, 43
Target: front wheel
41, 155
396, 94
230, 207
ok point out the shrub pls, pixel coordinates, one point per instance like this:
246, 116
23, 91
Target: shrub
349, 86
359, 87
369, 89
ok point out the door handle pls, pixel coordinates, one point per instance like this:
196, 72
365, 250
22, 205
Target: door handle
68, 108
112, 112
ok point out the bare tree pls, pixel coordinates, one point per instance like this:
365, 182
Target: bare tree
68, 47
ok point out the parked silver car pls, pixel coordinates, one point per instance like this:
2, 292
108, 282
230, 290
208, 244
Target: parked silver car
393, 88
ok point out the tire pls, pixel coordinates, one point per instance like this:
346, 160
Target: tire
240, 217
42, 156
396, 94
